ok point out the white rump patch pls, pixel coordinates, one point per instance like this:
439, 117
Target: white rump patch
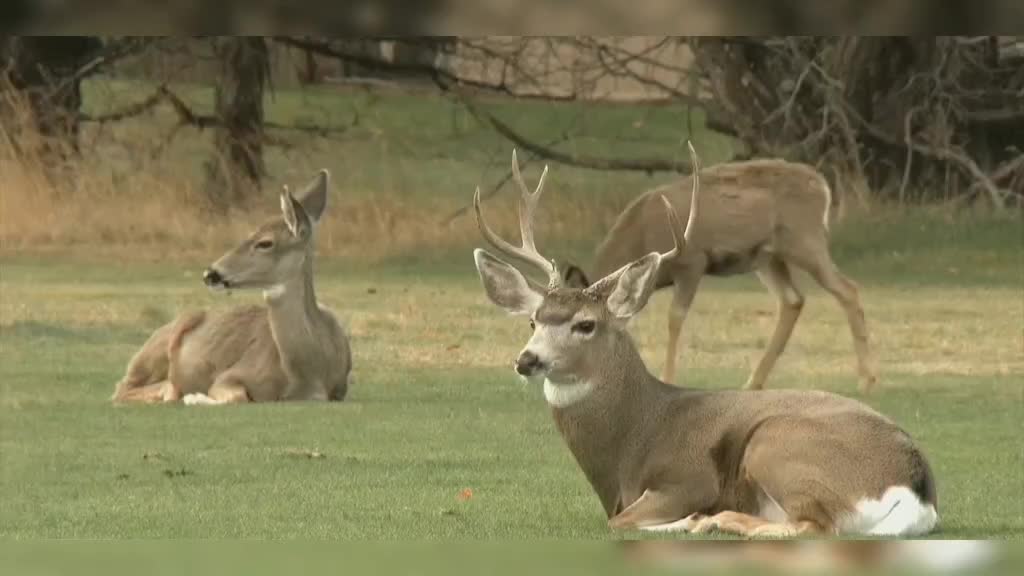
198, 399
563, 395
899, 512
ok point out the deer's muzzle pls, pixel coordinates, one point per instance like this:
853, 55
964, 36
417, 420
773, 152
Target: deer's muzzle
213, 279
528, 364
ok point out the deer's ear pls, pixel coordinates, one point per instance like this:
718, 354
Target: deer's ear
634, 286
294, 214
506, 286
314, 196
574, 277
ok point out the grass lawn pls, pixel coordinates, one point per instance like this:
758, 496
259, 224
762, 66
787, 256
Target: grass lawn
438, 438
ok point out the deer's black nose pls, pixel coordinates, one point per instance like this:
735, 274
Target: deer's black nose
212, 278
528, 363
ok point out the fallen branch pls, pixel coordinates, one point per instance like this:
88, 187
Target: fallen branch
185, 114
1008, 168
948, 154
129, 111
831, 88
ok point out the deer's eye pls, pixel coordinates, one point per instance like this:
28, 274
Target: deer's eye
584, 327
533, 325
264, 245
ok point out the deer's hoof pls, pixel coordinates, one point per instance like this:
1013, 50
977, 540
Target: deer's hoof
197, 399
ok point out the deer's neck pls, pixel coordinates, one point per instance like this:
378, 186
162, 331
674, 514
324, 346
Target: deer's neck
296, 322
605, 427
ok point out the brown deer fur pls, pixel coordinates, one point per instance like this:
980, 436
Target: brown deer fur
661, 457
291, 348
763, 216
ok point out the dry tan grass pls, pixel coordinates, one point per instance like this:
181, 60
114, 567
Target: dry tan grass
447, 323
154, 212
153, 209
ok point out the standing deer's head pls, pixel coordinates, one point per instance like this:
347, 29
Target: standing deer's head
279, 248
573, 327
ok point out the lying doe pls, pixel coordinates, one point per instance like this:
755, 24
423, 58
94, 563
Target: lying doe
291, 349
660, 457
766, 216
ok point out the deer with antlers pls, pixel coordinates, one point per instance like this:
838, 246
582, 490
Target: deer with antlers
660, 457
291, 349
765, 216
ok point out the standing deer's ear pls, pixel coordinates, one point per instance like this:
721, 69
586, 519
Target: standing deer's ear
634, 286
574, 277
506, 286
314, 196
294, 214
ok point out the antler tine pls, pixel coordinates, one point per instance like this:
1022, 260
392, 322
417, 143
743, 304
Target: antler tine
485, 230
673, 216
527, 203
674, 226
527, 206
695, 170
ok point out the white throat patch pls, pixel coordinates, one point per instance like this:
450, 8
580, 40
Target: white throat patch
275, 291
564, 395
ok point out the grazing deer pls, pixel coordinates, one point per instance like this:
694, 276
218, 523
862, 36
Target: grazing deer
661, 457
291, 349
766, 216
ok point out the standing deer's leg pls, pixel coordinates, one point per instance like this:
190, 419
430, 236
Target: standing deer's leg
683, 291
825, 272
775, 275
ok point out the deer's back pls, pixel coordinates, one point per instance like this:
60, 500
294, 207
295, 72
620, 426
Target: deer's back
791, 436
743, 207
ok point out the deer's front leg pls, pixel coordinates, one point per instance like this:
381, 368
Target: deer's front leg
228, 388
665, 508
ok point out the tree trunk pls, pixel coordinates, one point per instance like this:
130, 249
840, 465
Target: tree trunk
236, 168
41, 73
907, 118
310, 70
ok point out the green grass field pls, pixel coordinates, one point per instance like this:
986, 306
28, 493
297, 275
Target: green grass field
435, 410
438, 438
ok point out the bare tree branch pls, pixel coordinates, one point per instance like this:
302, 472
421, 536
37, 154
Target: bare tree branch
113, 52
571, 159
189, 117
501, 182
948, 154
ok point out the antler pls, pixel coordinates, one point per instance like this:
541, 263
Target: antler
695, 169
673, 217
527, 206
678, 243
